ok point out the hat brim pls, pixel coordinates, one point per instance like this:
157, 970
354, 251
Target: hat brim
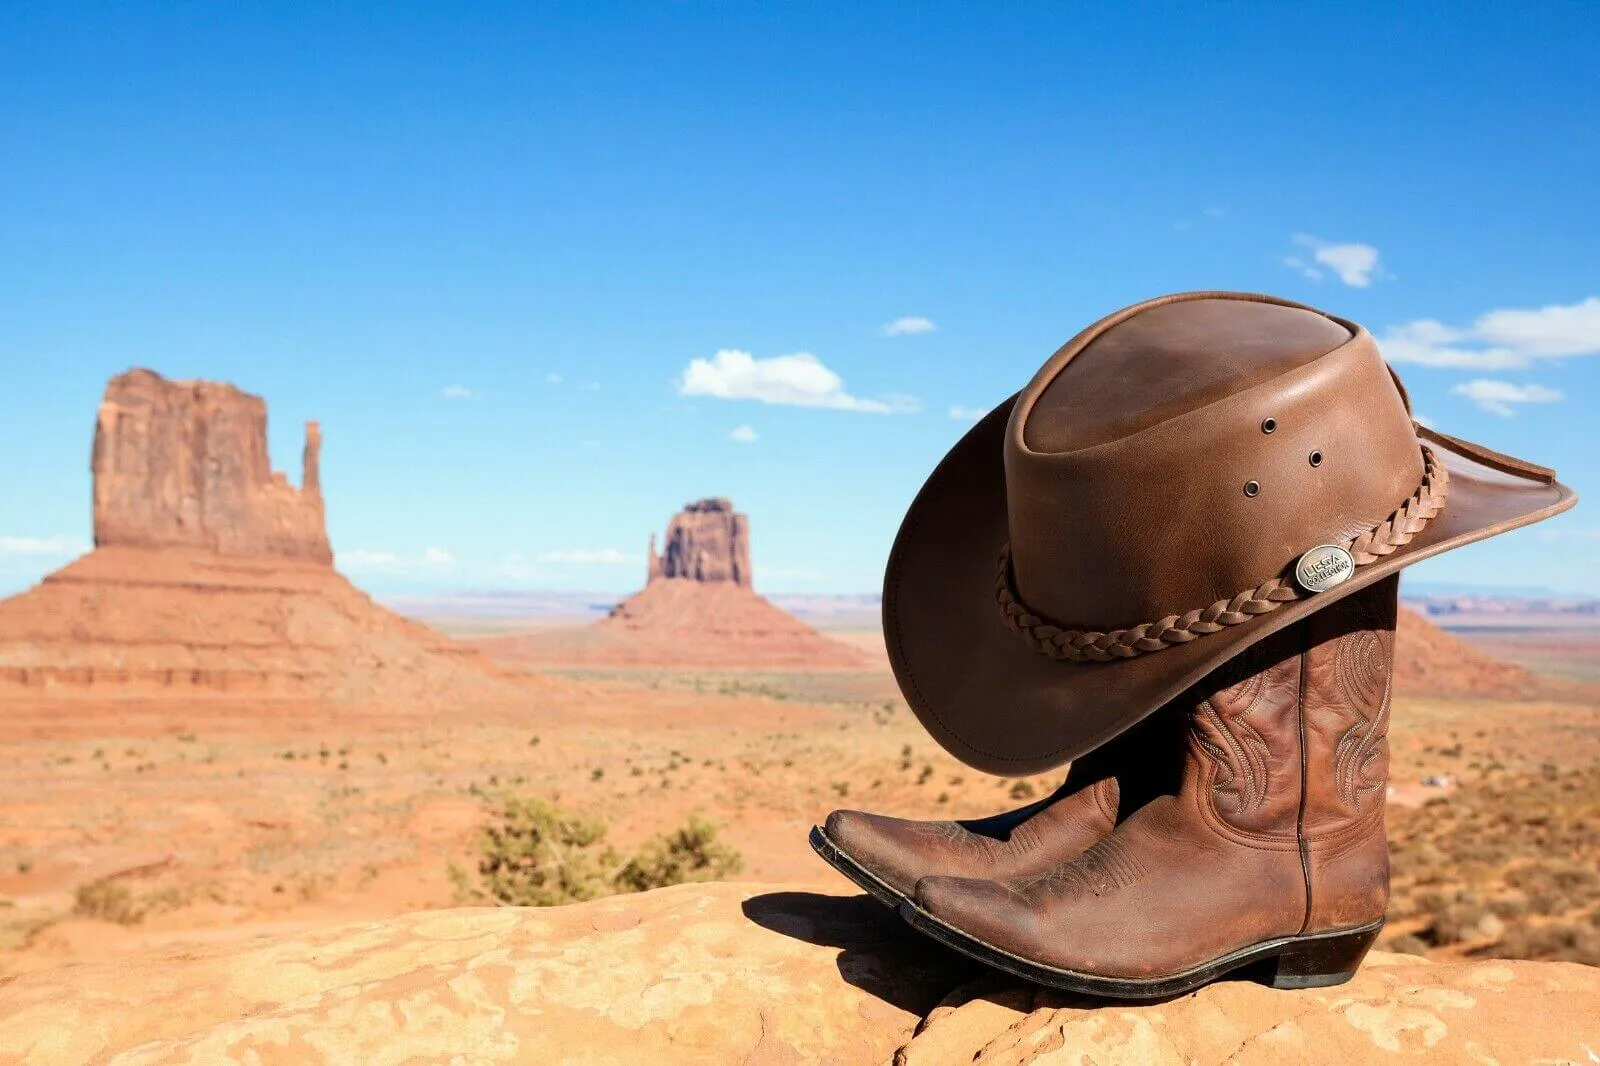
1003, 708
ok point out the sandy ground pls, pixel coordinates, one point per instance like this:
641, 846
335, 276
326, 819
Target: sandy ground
227, 818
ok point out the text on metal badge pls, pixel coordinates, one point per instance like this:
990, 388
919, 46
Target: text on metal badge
1323, 567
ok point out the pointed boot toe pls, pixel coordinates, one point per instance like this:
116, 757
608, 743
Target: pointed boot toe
878, 853
991, 913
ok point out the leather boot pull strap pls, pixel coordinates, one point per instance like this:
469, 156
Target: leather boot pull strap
1083, 646
1492, 459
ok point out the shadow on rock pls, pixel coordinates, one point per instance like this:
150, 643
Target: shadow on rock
879, 953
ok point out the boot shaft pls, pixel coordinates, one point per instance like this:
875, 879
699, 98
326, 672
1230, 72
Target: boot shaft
1288, 748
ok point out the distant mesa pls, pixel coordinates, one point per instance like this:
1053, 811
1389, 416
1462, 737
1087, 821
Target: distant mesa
698, 608
707, 541
211, 574
1429, 661
183, 464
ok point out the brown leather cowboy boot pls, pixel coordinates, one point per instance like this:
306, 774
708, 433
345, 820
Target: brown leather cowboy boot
888, 856
1272, 853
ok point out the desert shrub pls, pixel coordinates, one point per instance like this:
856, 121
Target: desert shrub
1463, 920
1022, 790
689, 853
1555, 887
1560, 941
1521, 847
108, 901
1407, 944
533, 854
1508, 907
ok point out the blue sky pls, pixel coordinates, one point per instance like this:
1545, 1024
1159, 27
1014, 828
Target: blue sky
486, 248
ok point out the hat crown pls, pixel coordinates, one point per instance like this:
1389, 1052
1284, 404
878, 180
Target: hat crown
1193, 447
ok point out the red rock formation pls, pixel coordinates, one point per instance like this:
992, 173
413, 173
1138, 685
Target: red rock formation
124, 621
212, 575
1429, 661
696, 609
183, 464
707, 541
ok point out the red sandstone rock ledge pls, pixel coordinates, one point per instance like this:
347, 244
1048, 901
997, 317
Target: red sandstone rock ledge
743, 973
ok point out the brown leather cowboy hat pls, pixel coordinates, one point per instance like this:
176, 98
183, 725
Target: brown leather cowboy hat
1176, 483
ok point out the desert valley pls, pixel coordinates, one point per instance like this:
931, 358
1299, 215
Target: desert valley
212, 735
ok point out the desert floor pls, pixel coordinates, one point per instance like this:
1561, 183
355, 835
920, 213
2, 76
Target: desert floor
223, 818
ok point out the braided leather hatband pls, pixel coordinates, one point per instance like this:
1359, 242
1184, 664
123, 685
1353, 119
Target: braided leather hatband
1082, 646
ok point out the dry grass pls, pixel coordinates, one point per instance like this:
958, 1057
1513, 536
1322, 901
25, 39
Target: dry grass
1507, 865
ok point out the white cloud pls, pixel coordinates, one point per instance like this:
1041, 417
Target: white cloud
1294, 262
967, 414
1499, 340
553, 379
744, 435
456, 392
43, 546
438, 557
909, 326
1216, 212
1497, 397
1550, 332
590, 386
599, 556
798, 380
1354, 263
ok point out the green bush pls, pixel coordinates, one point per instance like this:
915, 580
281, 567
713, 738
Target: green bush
533, 854
689, 853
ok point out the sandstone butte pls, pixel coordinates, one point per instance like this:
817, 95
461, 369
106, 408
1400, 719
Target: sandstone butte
751, 974
1429, 660
698, 608
212, 575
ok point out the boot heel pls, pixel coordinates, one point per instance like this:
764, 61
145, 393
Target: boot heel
1330, 959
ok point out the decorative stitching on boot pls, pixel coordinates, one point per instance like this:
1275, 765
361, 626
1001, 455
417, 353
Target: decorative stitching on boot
1108, 865
1025, 837
1240, 764
1362, 666
1355, 753
1240, 783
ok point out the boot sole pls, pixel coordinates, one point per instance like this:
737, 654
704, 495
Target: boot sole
1314, 961
864, 878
